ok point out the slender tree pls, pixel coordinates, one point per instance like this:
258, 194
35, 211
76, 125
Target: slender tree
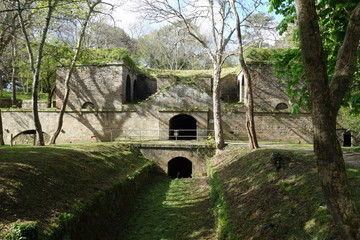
36, 60
326, 97
250, 122
91, 8
1, 131
190, 13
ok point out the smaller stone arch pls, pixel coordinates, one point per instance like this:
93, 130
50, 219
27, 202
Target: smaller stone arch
182, 127
180, 167
128, 92
281, 106
347, 139
27, 137
88, 106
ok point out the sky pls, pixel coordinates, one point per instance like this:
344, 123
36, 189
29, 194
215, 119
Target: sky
134, 25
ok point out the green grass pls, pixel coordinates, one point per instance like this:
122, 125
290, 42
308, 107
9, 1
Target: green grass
23, 96
42, 183
190, 73
172, 209
267, 203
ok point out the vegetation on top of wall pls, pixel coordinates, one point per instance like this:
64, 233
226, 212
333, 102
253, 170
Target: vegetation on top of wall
45, 184
260, 54
189, 73
101, 57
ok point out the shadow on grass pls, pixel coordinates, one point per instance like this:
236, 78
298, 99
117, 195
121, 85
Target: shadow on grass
172, 209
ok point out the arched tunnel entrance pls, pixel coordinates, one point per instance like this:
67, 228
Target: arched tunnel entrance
182, 127
180, 167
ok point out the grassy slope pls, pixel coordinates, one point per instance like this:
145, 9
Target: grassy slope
172, 209
40, 183
270, 204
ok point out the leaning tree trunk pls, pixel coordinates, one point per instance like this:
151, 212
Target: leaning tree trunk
71, 68
250, 122
1, 132
326, 99
218, 130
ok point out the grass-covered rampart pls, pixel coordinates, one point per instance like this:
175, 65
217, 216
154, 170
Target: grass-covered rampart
67, 190
273, 194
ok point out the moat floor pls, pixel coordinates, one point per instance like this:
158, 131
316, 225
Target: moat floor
172, 209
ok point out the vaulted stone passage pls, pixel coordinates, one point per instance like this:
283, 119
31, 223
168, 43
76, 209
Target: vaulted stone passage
182, 127
128, 89
347, 139
180, 167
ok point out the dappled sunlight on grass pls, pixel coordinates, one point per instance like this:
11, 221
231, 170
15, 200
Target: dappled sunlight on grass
173, 209
275, 199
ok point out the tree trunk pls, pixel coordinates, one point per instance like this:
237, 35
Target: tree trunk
250, 122
218, 130
13, 80
1, 132
325, 105
71, 68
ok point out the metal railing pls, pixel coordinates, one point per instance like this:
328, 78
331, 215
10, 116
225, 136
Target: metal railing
160, 134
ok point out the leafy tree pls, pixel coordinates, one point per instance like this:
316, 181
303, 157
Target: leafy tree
259, 29
330, 62
91, 8
215, 16
171, 47
102, 35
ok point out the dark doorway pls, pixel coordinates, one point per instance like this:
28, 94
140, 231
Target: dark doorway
182, 127
88, 105
128, 89
180, 167
136, 91
347, 139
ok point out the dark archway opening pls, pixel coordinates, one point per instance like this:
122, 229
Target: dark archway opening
128, 89
180, 167
347, 139
182, 127
88, 105
136, 92
281, 106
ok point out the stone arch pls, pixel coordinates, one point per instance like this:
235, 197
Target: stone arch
180, 167
88, 105
184, 126
128, 89
27, 137
281, 106
136, 91
347, 139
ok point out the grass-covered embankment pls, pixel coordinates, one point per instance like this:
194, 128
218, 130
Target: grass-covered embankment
172, 209
274, 194
56, 187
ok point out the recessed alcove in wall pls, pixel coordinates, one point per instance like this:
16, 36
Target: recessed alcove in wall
27, 137
88, 105
281, 106
180, 167
128, 89
182, 127
347, 139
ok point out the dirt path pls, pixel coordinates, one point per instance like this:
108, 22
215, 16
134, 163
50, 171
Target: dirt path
176, 209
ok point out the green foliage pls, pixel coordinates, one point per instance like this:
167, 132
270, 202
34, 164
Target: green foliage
349, 120
105, 56
27, 230
260, 54
289, 69
333, 18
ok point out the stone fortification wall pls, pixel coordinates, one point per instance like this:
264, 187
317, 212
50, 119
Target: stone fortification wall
91, 126
268, 92
102, 86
